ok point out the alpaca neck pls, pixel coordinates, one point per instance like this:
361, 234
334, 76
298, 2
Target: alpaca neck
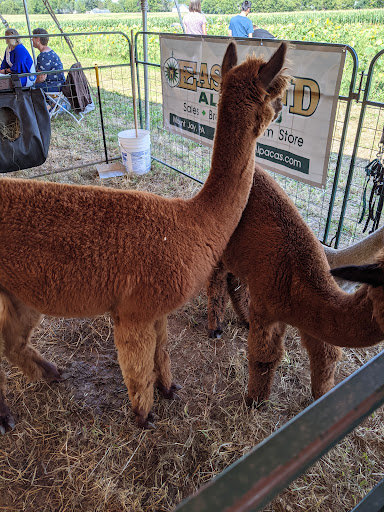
225, 192
340, 319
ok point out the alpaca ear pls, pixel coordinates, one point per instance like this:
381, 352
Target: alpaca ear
370, 274
230, 59
268, 72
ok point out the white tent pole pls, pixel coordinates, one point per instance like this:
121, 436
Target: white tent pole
29, 30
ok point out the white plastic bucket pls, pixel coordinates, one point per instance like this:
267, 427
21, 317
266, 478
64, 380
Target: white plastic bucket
135, 151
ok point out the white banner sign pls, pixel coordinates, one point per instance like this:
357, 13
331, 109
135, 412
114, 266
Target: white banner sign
298, 143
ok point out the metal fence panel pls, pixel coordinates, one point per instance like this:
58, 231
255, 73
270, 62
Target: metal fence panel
252, 481
373, 502
370, 124
193, 159
76, 145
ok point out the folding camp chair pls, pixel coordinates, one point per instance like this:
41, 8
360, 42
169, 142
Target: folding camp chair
58, 104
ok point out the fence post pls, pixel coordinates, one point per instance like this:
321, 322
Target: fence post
29, 30
341, 148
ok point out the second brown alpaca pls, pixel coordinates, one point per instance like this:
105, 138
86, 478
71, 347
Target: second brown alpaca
277, 255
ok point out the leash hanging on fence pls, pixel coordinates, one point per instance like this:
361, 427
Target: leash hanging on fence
374, 170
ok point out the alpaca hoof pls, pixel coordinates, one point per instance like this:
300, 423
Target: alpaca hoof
6, 419
170, 393
57, 376
50, 372
146, 423
318, 393
215, 334
249, 401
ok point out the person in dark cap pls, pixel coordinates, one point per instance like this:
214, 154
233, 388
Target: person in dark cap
240, 25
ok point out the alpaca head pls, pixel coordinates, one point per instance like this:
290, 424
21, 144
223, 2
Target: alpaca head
248, 89
372, 275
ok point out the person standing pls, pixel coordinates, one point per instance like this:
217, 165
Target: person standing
47, 60
240, 25
195, 22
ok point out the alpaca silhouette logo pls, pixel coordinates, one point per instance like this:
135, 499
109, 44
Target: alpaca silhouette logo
172, 71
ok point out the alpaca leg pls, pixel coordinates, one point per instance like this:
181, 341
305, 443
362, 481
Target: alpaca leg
323, 358
6, 419
239, 294
136, 345
162, 362
265, 350
19, 323
217, 300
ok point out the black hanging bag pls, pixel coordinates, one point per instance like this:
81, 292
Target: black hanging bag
25, 128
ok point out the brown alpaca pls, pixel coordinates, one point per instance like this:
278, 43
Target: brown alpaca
277, 255
360, 252
78, 251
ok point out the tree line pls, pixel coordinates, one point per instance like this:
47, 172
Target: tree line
231, 7
208, 6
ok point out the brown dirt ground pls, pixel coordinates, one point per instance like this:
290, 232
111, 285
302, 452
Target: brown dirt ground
76, 448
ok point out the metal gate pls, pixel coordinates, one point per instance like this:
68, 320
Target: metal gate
250, 483
366, 145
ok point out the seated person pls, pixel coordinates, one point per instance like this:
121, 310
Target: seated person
17, 59
47, 60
